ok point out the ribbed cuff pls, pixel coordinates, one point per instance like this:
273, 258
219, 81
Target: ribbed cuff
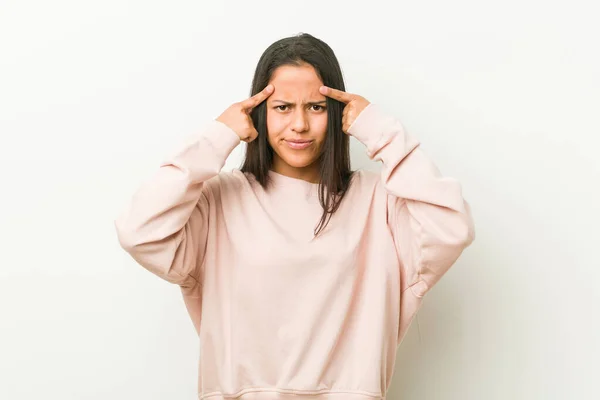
221, 137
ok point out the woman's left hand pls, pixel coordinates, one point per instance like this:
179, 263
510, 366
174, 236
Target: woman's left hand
355, 104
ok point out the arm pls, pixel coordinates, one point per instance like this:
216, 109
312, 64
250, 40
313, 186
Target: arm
165, 224
430, 221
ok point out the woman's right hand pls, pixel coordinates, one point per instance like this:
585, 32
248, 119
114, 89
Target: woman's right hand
237, 116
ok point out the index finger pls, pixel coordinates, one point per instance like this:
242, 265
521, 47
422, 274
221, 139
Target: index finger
258, 98
339, 95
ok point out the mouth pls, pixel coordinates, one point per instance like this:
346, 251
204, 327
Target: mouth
298, 144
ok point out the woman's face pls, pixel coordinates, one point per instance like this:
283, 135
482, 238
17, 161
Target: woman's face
296, 121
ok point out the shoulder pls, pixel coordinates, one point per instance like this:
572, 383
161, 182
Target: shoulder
363, 178
368, 183
227, 183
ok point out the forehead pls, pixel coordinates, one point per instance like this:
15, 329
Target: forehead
296, 81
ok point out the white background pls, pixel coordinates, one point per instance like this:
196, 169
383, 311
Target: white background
503, 95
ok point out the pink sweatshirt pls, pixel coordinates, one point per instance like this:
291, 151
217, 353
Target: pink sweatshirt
280, 315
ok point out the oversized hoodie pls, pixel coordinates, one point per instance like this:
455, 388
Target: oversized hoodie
279, 313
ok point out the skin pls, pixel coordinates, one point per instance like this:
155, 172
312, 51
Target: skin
296, 110
354, 105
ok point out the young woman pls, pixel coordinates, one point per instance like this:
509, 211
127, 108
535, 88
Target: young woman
300, 275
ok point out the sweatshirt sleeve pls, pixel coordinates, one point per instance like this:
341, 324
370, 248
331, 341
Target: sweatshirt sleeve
429, 220
164, 225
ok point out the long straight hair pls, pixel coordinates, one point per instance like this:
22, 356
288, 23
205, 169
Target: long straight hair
334, 160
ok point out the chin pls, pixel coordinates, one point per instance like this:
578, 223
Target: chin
299, 159
298, 162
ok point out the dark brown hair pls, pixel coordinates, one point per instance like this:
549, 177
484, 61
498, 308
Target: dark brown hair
334, 161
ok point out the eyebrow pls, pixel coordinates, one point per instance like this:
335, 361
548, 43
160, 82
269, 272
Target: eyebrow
311, 103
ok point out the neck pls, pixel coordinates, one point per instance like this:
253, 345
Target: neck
310, 173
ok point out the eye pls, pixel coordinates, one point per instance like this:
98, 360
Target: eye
279, 107
318, 107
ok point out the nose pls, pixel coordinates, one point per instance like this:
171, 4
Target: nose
300, 121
